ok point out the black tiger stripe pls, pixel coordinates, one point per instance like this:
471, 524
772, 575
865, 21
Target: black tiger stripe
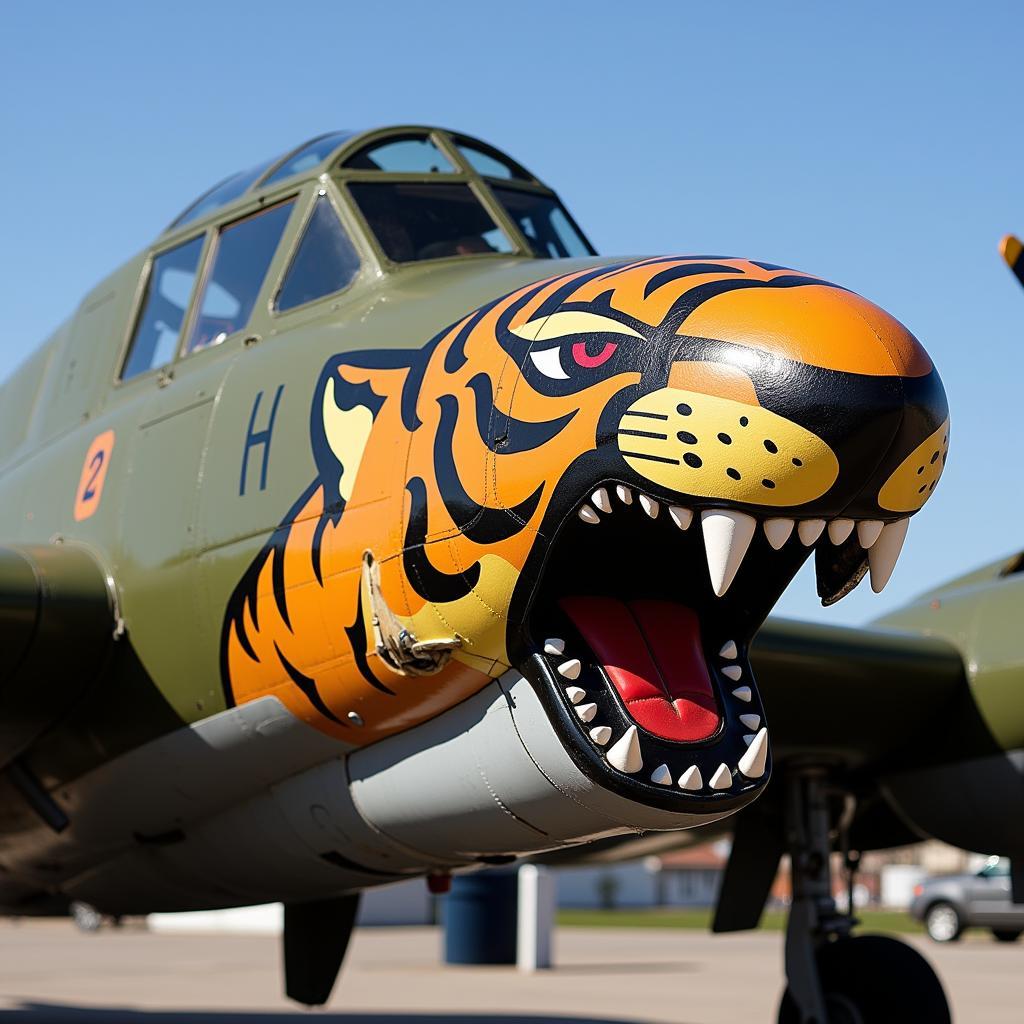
480, 524
308, 687
515, 435
426, 579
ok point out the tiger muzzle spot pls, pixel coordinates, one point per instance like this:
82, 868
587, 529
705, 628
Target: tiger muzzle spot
708, 446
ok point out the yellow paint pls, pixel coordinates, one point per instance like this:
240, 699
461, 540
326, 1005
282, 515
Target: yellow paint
567, 322
803, 467
913, 481
478, 618
347, 433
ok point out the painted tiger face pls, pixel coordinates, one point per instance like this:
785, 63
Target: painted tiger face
604, 480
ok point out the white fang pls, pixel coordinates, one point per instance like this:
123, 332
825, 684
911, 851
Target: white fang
682, 517
691, 778
840, 529
649, 505
601, 734
743, 693
661, 776
625, 495
570, 669
729, 651
625, 754
868, 531
586, 711
601, 500
727, 536
752, 722
575, 694
752, 763
884, 552
733, 672
554, 646
778, 531
809, 531
722, 779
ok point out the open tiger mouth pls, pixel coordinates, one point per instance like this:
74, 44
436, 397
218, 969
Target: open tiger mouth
641, 627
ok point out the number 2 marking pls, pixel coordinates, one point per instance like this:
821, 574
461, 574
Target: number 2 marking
94, 473
95, 464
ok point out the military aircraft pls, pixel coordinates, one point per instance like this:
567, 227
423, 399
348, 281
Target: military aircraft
370, 525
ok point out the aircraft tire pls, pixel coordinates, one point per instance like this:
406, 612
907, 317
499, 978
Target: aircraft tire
874, 979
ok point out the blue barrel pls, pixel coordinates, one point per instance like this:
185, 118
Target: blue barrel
480, 919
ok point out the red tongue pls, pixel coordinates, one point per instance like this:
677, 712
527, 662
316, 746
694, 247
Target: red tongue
652, 653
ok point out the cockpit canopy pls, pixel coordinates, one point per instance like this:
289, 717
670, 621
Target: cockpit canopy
421, 194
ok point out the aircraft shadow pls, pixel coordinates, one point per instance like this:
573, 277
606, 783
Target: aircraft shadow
46, 1013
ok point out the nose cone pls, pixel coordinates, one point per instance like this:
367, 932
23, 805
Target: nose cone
730, 382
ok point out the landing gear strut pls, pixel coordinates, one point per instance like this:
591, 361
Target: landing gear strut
835, 977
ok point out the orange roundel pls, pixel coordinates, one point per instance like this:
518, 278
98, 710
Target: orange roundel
94, 473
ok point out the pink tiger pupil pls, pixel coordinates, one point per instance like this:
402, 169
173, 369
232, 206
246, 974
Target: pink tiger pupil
584, 358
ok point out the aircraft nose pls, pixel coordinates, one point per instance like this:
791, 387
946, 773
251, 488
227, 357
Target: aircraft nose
706, 434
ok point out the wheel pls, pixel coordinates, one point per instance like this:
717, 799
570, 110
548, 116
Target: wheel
873, 979
942, 922
1006, 934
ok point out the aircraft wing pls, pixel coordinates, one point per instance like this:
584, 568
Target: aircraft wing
57, 626
867, 698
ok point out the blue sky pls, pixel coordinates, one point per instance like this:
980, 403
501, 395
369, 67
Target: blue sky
875, 144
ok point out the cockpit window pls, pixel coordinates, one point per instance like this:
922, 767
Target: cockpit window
490, 163
543, 220
308, 156
427, 220
222, 194
414, 154
324, 261
168, 290
243, 254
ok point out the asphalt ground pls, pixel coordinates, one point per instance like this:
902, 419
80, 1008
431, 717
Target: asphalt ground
49, 972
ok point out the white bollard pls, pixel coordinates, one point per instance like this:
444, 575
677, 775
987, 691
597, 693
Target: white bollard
535, 918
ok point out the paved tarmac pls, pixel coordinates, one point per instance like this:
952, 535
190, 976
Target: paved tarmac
51, 973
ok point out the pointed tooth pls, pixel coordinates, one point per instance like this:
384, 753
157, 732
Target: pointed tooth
839, 530
570, 669
601, 500
810, 530
575, 694
752, 763
748, 737
729, 651
778, 531
743, 693
601, 734
727, 536
884, 553
752, 722
586, 711
722, 779
625, 754
554, 646
691, 778
588, 515
682, 517
868, 531
661, 776
624, 494
733, 672
649, 505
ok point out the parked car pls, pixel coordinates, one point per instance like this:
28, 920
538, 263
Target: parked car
948, 904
